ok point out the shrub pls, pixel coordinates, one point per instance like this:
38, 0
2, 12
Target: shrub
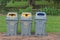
50, 11
20, 11
28, 9
17, 4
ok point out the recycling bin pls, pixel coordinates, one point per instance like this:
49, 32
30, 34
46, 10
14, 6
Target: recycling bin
12, 22
26, 23
40, 24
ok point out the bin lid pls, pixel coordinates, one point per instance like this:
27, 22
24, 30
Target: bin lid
12, 15
26, 16
40, 15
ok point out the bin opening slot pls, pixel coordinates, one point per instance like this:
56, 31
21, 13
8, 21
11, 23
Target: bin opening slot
40, 14
12, 14
26, 14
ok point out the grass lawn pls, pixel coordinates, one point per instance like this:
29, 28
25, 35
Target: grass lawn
53, 24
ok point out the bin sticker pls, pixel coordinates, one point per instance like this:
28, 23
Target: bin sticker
26, 23
12, 23
12, 30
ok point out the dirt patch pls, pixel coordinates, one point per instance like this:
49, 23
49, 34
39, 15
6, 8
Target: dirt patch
1, 15
51, 36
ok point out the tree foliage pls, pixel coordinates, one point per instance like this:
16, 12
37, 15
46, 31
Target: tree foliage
56, 1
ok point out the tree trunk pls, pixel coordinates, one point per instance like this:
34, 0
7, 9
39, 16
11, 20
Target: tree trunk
31, 2
21, 0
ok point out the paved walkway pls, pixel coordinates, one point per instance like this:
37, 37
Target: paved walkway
51, 36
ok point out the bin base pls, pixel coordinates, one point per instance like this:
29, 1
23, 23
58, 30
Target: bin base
44, 34
7, 34
25, 34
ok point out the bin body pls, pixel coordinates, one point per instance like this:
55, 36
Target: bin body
26, 23
40, 24
12, 24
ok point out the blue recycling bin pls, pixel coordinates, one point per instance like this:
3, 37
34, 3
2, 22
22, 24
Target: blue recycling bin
40, 23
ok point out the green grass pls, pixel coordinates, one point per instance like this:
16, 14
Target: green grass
2, 24
53, 24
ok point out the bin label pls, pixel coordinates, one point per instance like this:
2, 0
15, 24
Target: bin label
12, 23
26, 23
11, 30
